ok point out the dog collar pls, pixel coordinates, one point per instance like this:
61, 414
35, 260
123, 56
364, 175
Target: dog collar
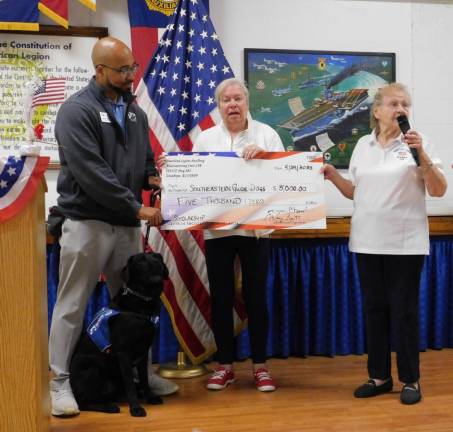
127, 290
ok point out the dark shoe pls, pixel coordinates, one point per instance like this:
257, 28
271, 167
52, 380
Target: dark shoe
410, 394
370, 389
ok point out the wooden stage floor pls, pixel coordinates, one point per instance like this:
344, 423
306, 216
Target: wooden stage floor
314, 395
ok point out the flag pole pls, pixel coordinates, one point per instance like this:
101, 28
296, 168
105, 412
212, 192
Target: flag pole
177, 92
181, 368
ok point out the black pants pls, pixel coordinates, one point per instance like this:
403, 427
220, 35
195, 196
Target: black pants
390, 285
253, 254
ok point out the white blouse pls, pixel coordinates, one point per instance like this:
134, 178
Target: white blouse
219, 139
389, 215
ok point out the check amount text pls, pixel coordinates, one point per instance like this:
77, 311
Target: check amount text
235, 187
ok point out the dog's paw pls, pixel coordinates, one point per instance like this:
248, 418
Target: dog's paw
154, 400
112, 408
137, 411
109, 408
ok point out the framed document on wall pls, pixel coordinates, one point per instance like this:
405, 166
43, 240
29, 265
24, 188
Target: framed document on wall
32, 62
316, 100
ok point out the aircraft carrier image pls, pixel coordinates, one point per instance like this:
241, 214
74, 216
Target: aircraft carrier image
317, 102
327, 112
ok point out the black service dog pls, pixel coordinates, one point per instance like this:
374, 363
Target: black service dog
102, 370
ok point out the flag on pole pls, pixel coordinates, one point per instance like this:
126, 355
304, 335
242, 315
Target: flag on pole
56, 10
50, 91
19, 15
148, 19
89, 4
177, 93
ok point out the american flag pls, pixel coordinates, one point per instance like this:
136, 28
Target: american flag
49, 91
177, 93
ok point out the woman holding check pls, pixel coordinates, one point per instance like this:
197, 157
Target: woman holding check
389, 234
237, 133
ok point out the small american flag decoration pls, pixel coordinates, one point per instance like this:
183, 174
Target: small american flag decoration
49, 91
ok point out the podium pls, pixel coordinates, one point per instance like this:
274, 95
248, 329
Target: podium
24, 376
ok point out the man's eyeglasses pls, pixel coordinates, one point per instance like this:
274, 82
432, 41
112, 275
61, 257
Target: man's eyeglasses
123, 70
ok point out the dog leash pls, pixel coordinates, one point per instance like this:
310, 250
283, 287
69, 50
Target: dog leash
148, 229
152, 201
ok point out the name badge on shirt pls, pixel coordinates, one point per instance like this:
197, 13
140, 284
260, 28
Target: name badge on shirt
402, 152
132, 116
104, 117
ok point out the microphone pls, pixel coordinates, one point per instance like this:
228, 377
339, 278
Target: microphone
404, 125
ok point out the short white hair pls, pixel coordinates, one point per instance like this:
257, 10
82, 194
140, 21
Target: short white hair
229, 82
379, 96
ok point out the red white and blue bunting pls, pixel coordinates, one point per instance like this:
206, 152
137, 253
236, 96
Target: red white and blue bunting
19, 180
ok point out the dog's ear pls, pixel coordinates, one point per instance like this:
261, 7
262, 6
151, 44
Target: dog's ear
164, 267
156, 279
158, 256
125, 274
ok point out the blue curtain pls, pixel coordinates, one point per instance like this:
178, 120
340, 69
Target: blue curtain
436, 296
314, 301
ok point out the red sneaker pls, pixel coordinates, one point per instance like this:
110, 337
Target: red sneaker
220, 379
264, 381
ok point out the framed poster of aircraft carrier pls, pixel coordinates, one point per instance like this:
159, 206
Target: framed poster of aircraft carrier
316, 100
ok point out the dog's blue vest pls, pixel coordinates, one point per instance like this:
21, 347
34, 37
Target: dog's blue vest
99, 331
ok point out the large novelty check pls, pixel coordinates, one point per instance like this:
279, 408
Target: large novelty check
223, 191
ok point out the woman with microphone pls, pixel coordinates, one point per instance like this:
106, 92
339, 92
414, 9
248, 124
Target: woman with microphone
390, 236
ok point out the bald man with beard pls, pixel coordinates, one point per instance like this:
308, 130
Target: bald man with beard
106, 162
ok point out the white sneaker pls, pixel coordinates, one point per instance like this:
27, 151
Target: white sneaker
161, 386
63, 402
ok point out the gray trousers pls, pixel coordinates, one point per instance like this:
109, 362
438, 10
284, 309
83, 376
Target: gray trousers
88, 248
